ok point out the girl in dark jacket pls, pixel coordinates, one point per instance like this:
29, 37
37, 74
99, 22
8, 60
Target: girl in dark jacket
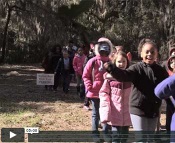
145, 75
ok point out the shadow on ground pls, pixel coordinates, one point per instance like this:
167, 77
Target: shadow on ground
18, 85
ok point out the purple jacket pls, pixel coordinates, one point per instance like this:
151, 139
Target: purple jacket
164, 90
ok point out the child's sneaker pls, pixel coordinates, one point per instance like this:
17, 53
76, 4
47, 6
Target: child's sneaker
86, 108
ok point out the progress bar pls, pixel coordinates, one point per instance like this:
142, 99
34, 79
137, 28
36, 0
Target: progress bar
88, 136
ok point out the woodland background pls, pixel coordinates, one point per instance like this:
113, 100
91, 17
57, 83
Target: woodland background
28, 28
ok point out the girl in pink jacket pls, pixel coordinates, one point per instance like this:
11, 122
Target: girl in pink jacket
78, 62
114, 100
93, 77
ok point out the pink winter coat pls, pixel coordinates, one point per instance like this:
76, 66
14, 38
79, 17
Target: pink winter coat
93, 75
114, 102
78, 62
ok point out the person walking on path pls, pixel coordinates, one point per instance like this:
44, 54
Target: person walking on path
93, 78
65, 70
78, 62
114, 101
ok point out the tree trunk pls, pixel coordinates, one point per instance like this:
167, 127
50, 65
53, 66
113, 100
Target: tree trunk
5, 35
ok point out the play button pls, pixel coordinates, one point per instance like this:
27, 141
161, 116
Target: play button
12, 134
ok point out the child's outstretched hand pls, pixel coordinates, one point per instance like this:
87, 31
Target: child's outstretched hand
108, 66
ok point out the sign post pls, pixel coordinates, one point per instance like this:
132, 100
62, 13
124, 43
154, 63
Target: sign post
45, 79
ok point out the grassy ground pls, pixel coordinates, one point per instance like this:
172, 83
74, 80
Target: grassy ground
25, 104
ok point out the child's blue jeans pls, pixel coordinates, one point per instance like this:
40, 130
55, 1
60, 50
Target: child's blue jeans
95, 113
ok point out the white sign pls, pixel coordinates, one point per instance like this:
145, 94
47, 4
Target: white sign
45, 79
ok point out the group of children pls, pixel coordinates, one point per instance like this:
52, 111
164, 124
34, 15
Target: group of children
123, 95
65, 63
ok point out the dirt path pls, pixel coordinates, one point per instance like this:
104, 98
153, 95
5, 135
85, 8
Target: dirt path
24, 104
